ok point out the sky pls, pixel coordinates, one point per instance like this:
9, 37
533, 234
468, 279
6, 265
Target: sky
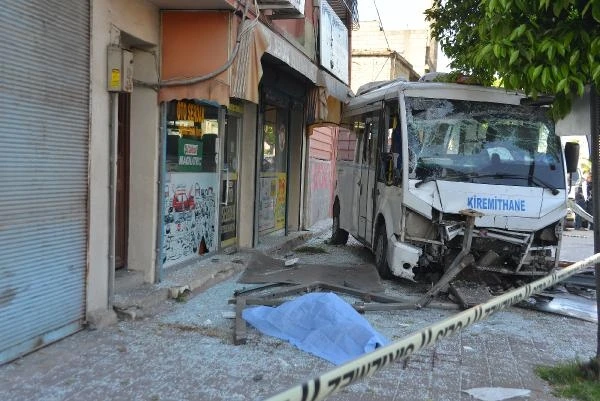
398, 14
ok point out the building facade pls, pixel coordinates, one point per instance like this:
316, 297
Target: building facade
403, 50
177, 129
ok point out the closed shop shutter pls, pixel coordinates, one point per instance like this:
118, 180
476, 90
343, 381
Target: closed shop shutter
44, 118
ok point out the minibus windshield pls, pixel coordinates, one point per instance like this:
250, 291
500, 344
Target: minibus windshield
481, 142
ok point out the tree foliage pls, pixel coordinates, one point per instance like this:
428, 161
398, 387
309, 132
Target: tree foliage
537, 46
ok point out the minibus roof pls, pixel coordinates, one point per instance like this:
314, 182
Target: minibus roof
436, 90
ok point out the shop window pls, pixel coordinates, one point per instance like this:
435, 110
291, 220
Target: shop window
192, 129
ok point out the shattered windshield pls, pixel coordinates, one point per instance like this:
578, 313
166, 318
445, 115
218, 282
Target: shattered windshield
481, 142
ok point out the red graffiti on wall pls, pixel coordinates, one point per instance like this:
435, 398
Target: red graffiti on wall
320, 176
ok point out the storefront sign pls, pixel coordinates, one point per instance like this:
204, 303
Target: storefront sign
333, 43
190, 155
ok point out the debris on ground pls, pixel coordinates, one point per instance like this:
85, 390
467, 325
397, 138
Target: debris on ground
497, 393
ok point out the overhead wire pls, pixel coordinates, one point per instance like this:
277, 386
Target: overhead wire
381, 26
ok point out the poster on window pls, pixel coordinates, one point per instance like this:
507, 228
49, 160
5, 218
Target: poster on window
229, 211
272, 196
190, 216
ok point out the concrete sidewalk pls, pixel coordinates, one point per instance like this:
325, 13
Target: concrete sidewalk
184, 351
134, 299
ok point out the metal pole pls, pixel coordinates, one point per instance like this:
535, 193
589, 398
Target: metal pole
595, 158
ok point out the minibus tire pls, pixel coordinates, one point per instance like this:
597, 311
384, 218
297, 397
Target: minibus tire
339, 236
380, 252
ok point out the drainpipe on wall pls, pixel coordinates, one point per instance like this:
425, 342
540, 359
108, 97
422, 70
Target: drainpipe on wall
112, 193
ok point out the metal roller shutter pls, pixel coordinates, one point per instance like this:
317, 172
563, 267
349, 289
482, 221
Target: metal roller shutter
44, 119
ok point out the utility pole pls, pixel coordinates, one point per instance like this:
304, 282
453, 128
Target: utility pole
594, 137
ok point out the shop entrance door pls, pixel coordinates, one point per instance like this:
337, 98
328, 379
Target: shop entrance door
273, 170
122, 195
229, 181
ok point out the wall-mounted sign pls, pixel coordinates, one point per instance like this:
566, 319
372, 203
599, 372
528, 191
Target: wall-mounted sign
190, 155
185, 119
333, 43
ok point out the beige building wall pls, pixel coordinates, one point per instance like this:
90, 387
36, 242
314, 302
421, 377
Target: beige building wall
411, 44
368, 69
139, 20
247, 176
372, 66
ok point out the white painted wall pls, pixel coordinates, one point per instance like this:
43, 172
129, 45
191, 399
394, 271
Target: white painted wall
247, 180
139, 19
143, 176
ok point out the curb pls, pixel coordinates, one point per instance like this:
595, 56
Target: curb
143, 300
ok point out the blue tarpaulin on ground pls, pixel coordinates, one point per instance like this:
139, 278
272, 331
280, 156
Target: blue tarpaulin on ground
320, 323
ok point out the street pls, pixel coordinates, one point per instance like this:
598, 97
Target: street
185, 351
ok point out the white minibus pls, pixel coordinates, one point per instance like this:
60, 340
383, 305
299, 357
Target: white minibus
422, 165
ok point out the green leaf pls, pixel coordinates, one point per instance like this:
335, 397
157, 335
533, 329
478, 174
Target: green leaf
596, 11
536, 72
550, 52
514, 55
497, 50
485, 50
557, 8
562, 85
574, 58
596, 72
530, 37
545, 76
587, 6
580, 86
520, 5
568, 38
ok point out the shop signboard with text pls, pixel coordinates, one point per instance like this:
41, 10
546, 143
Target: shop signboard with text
333, 43
190, 155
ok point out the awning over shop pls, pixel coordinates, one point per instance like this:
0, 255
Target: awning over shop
213, 90
191, 61
334, 86
247, 69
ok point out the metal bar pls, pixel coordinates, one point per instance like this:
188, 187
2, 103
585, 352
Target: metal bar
369, 307
462, 260
362, 294
239, 335
256, 289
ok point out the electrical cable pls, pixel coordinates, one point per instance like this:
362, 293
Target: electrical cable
381, 25
244, 29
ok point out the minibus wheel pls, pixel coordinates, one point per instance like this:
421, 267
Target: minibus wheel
380, 251
339, 236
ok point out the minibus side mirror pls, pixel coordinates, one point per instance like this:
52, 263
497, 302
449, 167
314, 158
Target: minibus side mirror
571, 156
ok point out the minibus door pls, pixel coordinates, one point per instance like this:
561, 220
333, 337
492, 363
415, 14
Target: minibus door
368, 179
